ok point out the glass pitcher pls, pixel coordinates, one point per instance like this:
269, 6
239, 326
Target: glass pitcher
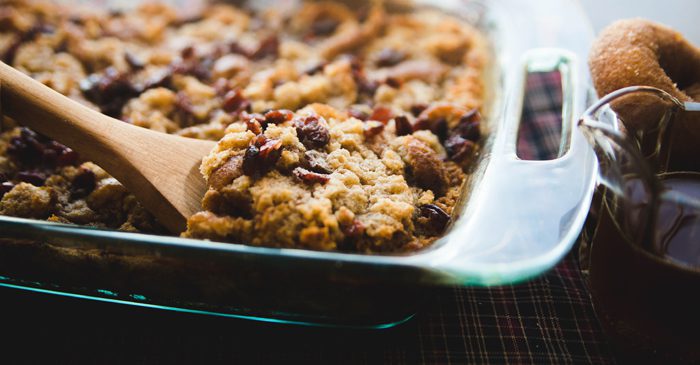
644, 255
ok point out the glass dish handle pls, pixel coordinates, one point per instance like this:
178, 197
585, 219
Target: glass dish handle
548, 200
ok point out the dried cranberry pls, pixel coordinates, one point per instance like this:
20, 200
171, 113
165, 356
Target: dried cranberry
437, 126
403, 125
235, 102
310, 177
268, 47
110, 90
388, 57
468, 126
458, 148
311, 131
381, 114
187, 52
437, 219
160, 78
416, 109
278, 116
316, 161
254, 126
36, 178
66, 157
324, 26
372, 128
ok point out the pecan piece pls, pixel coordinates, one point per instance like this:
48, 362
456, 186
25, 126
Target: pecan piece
310, 177
226, 173
312, 131
425, 167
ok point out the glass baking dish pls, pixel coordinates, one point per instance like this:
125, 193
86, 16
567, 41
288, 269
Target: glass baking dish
516, 220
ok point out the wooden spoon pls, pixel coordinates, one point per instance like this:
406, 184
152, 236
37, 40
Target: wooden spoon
161, 170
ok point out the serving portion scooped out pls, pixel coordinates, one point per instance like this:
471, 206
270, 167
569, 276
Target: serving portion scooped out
337, 129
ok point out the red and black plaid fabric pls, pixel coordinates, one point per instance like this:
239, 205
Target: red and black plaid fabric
549, 320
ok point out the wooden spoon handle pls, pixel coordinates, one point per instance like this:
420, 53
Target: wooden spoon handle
160, 169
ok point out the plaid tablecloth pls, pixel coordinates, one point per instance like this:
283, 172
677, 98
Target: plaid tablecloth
547, 320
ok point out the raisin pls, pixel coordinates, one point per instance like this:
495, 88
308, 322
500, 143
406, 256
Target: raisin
36, 178
381, 114
268, 47
83, 183
436, 218
388, 57
437, 126
372, 128
261, 155
316, 161
311, 132
403, 125
110, 90
278, 116
310, 177
468, 127
458, 148
250, 159
416, 109
31, 149
324, 26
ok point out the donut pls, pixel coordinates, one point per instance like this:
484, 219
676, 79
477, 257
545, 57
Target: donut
640, 52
